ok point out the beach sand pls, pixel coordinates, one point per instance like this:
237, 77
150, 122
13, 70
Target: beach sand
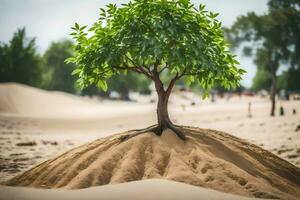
37, 125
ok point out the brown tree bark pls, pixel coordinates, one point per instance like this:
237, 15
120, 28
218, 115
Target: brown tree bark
162, 110
273, 93
163, 119
274, 63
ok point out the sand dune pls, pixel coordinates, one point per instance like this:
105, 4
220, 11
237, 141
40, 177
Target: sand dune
23, 100
208, 159
146, 189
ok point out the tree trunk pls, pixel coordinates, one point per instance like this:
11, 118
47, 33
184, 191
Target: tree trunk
273, 93
273, 66
124, 93
163, 119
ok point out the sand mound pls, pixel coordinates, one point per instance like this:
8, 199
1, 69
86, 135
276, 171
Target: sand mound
209, 159
21, 99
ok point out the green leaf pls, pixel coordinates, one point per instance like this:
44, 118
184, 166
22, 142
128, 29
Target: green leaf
241, 71
102, 10
236, 62
102, 85
82, 28
201, 7
189, 80
70, 60
76, 26
76, 71
215, 15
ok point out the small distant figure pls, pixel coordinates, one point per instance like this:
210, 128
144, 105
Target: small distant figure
212, 97
298, 128
281, 111
294, 111
249, 110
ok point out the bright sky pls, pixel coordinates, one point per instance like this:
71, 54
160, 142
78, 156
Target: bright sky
50, 20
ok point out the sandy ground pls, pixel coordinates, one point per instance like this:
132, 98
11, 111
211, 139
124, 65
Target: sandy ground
167, 190
208, 158
36, 125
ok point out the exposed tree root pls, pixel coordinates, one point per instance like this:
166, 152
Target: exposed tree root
157, 130
137, 132
177, 131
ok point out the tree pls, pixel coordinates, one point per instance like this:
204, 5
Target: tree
152, 36
19, 61
275, 36
54, 57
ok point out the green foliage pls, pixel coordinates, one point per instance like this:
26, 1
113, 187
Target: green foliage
261, 80
60, 73
293, 81
148, 36
19, 61
290, 80
273, 38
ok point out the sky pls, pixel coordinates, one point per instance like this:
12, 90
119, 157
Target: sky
50, 20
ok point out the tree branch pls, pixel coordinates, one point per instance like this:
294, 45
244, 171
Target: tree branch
165, 67
148, 70
135, 69
182, 74
141, 69
158, 83
172, 83
149, 75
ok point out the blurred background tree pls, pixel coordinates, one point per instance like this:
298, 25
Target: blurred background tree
59, 72
273, 39
19, 60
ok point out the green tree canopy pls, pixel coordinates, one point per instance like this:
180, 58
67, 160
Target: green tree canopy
150, 36
19, 61
175, 35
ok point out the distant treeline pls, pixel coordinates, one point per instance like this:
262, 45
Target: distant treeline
20, 62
